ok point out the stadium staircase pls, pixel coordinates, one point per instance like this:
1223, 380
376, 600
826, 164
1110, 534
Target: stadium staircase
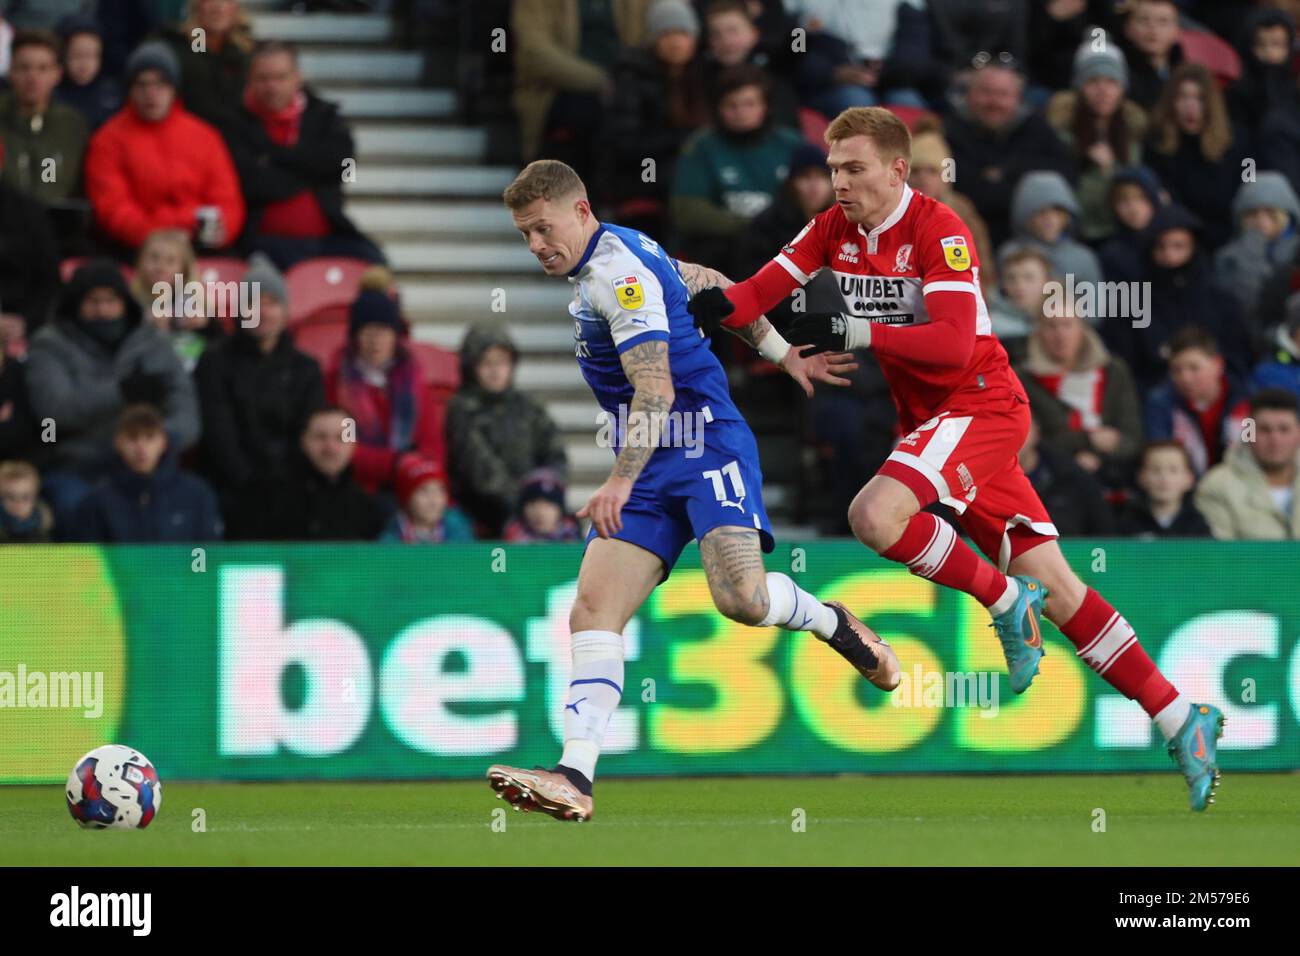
426, 191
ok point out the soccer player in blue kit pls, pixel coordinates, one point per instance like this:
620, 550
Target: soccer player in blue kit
651, 369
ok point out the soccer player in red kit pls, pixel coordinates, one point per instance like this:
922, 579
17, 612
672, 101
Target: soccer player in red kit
907, 269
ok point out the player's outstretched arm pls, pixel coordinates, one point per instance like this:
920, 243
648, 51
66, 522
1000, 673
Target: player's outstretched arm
769, 343
647, 369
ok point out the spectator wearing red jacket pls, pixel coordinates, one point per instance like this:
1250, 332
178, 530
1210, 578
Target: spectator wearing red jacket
380, 384
155, 165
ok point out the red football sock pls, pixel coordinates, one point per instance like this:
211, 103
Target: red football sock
1107, 644
931, 549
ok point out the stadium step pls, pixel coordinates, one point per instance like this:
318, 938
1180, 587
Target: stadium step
305, 28
380, 217
388, 103
555, 338
476, 256
410, 141
469, 299
378, 66
378, 179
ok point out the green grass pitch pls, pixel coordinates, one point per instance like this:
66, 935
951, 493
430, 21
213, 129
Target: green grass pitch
859, 820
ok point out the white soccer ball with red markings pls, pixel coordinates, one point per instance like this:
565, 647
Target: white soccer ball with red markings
114, 787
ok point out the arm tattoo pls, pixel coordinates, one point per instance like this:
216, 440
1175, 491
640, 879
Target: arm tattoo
698, 277
646, 366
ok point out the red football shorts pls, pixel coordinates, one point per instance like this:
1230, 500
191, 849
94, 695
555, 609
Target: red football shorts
966, 457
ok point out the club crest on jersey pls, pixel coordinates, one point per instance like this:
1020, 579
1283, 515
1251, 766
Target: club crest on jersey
955, 253
849, 252
902, 261
629, 293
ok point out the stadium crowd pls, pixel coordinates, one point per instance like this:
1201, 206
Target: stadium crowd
1085, 142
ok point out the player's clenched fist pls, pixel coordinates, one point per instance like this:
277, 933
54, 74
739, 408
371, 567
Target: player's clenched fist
710, 306
829, 332
606, 506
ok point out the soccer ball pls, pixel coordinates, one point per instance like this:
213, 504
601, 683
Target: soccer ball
114, 787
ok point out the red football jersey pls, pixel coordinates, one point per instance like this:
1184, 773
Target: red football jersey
920, 260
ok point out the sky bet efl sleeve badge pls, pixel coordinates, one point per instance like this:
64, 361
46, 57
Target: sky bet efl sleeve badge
955, 253
629, 293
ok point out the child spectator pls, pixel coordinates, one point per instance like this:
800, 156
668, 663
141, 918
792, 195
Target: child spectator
1082, 397
1254, 495
86, 87
731, 172
1282, 369
423, 515
154, 164
1182, 292
1266, 212
290, 148
165, 259
1151, 46
1044, 212
1103, 128
44, 140
1200, 405
377, 381
145, 497
541, 515
256, 391
24, 518
1164, 508
1134, 196
316, 499
734, 39
1266, 82
1014, 308
496, 434
1193, 149
85, 366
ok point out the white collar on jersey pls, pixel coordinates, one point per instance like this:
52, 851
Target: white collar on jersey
873, 237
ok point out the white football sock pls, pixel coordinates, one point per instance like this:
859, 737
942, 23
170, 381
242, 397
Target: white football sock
595, 688
1171, 718
791, 607
1003, 604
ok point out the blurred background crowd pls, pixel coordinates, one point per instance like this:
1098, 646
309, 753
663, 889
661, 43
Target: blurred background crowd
1154, 143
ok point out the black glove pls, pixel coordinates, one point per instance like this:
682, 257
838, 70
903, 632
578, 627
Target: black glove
823, 331
144, 387
710, 306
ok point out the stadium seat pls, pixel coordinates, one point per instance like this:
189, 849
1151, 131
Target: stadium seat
441, 367
73, 263
321, 340
1213, 53
813, 126
911, 115
220, 269
316, 283
324, 316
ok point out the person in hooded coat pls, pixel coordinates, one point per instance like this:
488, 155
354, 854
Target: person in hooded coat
1266, 213
1135, 195
496, 434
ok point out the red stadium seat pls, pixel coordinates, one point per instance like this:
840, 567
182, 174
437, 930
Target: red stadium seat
328, 315
219, 269
911, 115
321, 340
1213, 53
441, 367
813, 126
316, 283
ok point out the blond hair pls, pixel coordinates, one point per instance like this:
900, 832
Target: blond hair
19, 471
178, 240
886, 131
544, 179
